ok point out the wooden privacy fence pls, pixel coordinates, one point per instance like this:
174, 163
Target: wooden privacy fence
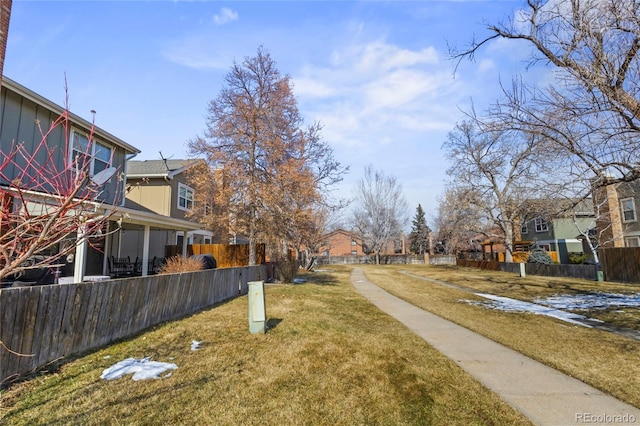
226, 255
587, 272
50, 322
620, 264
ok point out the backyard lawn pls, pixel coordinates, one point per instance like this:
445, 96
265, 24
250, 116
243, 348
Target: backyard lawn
602, 359
329, 358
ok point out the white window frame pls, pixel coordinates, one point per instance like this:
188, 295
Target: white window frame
524, 229
187, 189
541, 225
189, 239
99, 152
633, 241
632, 204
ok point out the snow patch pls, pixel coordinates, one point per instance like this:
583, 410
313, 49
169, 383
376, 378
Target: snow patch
591, 301
195, 345
511, 305
142, 369
556, 306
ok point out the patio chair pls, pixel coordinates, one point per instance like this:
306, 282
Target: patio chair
120, 267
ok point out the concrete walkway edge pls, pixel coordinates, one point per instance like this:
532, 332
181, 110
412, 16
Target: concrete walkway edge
542, 394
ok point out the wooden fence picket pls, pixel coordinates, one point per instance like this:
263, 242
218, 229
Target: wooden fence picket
53, 322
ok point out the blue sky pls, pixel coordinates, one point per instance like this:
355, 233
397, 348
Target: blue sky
375, 74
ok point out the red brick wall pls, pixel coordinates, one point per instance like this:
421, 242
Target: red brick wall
5, 15
339, 244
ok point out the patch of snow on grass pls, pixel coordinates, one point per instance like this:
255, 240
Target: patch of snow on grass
142, 369
195, 345
512, 305
591, 301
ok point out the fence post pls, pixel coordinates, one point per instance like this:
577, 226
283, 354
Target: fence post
523, 272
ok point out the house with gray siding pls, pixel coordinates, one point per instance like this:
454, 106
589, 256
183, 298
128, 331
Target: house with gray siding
559, 232
24, 115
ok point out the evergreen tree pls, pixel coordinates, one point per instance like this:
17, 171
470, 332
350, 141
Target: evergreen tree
539, 255
420, 233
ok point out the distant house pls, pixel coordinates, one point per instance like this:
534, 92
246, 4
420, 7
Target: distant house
558, 232
341, 243
344, 243
617, 220
161, 187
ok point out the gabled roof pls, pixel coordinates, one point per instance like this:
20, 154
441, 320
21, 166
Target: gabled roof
158, 168
40, 100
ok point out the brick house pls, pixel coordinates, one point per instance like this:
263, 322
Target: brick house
341, 243
617, 221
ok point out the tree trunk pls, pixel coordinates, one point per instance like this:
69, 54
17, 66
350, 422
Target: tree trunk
508, 245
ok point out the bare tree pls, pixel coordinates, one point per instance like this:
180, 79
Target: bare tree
274, 168
459, 219
498, 169
380, 210
591, 110
47, 209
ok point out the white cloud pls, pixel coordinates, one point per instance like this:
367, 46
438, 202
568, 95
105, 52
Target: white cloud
225, 16
380, 57
486, 65
312, 88
373, 90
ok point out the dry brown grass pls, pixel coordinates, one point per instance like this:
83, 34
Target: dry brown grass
177, 264
329, 358
604, 360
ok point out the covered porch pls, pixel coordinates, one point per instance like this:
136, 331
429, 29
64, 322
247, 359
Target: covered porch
132, 236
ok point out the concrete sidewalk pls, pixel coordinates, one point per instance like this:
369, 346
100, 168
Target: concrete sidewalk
544, 395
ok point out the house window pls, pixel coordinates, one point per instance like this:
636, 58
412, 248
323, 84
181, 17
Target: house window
541, 225
628, 210
185, 197
632, 241
524, 229
95, 156
326, 253
354, 243
354, 252
180, 239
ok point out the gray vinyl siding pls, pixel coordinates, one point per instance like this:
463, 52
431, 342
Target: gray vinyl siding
19, 124
175, 211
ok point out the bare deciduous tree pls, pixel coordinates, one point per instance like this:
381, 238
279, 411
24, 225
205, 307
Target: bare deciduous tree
46, 209
591, 109
380, 210
498, 169
272, 168
459, 219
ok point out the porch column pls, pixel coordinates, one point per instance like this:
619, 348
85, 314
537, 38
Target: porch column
107, 250
145, 250
184, 243
81, 255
